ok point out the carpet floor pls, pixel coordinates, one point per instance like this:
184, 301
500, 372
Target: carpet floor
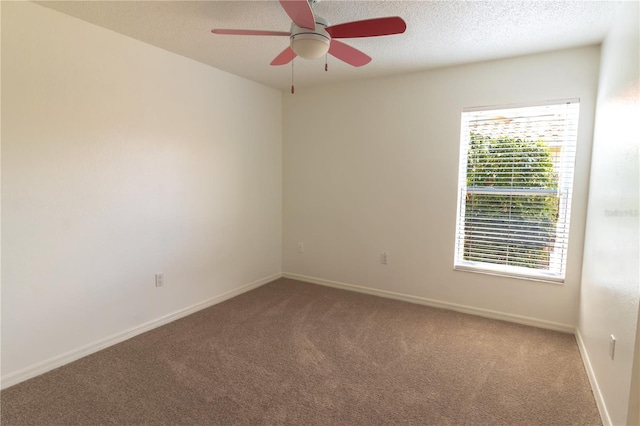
301, 354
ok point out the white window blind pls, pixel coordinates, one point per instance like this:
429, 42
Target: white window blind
515, 187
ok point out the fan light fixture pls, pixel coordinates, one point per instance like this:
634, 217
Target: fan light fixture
310, 45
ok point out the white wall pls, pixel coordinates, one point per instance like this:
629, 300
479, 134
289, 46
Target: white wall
610, 284
120, 160
373, 165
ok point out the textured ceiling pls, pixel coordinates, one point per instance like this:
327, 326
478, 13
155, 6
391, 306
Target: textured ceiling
439, 33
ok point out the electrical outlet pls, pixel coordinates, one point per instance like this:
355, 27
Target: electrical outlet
384, 258
612, 346
300, 247
159, 280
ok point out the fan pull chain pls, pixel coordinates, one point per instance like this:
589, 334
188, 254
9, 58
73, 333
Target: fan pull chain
293, 89
326, 67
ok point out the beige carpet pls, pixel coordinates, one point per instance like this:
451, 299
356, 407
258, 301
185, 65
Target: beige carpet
297, 353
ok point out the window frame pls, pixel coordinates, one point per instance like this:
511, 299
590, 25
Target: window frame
564, 192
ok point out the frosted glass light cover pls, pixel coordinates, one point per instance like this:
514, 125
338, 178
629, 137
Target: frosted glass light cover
310, 48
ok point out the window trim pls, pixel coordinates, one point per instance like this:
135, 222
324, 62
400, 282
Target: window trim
564, 192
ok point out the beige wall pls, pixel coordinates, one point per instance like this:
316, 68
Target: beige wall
372, 166
121, 160
610, 283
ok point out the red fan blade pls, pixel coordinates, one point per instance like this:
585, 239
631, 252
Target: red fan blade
251, 32
368, 28
348, 54
300, 13
284, 57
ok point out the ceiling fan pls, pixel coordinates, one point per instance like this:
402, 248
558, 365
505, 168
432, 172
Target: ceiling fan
312, 37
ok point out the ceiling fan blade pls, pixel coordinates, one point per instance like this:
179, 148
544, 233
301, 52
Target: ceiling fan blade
284, 57
300, 13
251, 32
348, 54
368, 28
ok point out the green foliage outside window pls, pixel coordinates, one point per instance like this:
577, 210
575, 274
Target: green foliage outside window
514, 229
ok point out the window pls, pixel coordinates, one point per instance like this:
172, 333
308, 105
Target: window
515, 184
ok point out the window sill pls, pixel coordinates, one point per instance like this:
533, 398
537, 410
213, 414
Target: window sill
540, 277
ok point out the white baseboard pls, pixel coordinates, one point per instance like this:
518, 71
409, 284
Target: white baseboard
597, 394
75, 354
566, 328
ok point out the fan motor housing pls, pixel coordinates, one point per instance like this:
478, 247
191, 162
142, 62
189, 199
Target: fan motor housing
311, 44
